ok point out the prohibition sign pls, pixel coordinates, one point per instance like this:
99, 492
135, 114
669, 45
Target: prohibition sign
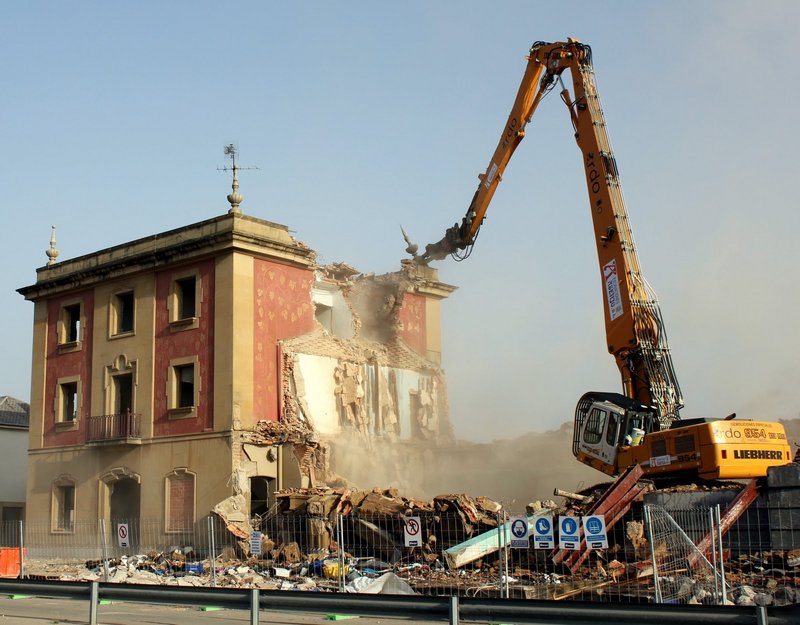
412, 532
122, 534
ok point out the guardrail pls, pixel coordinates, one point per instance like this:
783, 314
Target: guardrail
423, 607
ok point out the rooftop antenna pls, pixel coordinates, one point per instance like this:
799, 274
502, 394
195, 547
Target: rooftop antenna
235, 198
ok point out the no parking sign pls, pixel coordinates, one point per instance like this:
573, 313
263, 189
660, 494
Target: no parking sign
122, 535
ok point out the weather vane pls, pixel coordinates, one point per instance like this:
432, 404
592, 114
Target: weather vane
235, 198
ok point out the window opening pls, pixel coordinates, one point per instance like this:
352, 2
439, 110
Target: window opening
123, 393
65, 507
124, 310
185, 292
184, 379
69, 401
72, 323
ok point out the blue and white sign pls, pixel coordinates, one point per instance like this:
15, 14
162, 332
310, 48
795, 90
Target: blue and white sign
543, 535
594, 527
255, 543
519, 532
569, 532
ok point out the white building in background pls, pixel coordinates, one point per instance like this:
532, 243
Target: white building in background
14, 416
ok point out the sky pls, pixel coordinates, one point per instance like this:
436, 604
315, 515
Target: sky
365, 116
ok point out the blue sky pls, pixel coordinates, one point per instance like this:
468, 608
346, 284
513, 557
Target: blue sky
363, 116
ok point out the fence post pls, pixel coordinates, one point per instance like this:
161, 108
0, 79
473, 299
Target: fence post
340, 551
453, 609
21, 551
648, 522
254, 606
711, 532
105, 548
761, 615
721, 557
212, 550
93, 600
499, 554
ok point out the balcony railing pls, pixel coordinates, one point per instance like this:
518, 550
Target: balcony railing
114, 427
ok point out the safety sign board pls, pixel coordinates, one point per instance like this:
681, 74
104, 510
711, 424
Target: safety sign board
543, 537
122, 535
594, 528
413, 532
569, 532
519, 532
255, 543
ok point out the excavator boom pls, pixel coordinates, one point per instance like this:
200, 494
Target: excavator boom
641, 426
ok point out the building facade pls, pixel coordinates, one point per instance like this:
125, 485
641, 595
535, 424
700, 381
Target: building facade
13, 451
165, 372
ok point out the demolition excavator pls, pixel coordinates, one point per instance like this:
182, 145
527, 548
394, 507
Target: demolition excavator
641, 425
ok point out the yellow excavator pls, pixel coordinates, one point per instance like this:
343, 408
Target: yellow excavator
641, 425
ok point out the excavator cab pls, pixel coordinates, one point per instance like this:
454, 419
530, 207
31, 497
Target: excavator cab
604, 422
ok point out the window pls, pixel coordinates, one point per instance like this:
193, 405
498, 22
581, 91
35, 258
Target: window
183, 386
63, 506
123, 393
184, 379
67, 400
613, 424
593, 433
122, 313
186, 298
184, 302
180, 500
70, 324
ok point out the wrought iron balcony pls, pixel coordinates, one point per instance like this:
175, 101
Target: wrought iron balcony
120, 428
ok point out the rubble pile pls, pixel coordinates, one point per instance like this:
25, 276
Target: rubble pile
348, 540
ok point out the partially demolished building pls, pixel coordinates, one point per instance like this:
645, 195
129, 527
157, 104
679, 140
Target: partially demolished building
219, 363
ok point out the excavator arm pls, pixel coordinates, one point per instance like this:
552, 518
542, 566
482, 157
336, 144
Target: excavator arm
634, 327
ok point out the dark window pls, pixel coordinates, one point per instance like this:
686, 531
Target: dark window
72, 323
185, 293
69, 401
184, 381
124, 306
123, 393
65, 507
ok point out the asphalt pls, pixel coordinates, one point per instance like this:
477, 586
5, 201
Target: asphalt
46, 611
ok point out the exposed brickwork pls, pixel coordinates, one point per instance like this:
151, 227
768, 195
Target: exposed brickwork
412, 322
181, 501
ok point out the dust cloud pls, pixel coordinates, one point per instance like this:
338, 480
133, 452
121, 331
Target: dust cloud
512, 472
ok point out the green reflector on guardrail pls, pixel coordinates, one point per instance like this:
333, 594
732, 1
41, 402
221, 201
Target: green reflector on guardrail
209, 608
338, 617
105, 601
18, 596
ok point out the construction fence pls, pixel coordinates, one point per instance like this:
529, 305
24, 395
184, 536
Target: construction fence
653, 554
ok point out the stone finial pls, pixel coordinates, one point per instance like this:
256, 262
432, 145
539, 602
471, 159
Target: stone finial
52, 253
235, 198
